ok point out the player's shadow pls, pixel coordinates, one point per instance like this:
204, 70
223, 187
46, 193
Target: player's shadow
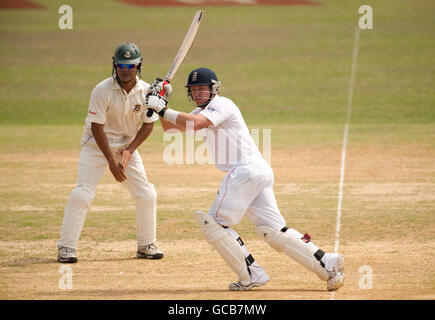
291, 290
22, 262
160, 293
150, 293
86, 260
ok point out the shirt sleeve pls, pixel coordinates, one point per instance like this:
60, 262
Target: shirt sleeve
98, 105
196, 111
154, 117
216, 113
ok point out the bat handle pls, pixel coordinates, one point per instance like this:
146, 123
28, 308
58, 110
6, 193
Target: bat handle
161, 93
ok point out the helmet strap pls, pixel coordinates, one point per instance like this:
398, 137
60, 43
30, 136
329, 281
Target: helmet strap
114, 76
139, 70
213, 93
210, 97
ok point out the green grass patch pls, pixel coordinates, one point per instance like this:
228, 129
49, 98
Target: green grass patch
280, 64
287, 68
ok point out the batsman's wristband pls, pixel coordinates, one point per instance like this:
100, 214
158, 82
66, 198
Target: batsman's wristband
171, 115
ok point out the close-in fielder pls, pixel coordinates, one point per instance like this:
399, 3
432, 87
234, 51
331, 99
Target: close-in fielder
247, 188
116, 125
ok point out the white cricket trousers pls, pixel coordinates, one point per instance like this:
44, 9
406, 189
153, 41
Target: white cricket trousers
248, 189
92, 164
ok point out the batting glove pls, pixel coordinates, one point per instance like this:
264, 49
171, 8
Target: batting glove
158, 86
156, 103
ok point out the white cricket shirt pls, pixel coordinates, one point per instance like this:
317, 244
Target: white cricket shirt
121, 113
229, 142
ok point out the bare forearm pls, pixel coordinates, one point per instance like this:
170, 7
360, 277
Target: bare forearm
101, 140
184, 118
159, 104
143, 133
168, 125
189, 120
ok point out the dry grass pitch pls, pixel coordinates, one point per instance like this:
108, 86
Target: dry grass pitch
387, 224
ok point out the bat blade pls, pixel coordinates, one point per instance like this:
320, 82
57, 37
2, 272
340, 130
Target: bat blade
182, 52
185, 46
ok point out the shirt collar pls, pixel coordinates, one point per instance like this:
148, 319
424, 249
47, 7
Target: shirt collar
215, 97
205, 106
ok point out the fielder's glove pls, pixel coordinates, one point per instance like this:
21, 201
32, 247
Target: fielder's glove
158, 86
156, 103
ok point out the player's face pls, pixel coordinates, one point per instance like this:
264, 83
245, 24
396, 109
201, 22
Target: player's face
125, 74
200, 94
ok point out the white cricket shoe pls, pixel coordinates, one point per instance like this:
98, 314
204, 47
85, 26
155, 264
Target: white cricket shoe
149, 252
238, 286
66, 255
334, 264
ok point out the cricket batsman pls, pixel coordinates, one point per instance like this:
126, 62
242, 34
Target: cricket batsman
246, 189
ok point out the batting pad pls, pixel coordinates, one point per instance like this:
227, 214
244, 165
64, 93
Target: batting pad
292, 245
228, 248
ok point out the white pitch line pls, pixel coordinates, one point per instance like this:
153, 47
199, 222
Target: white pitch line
344, 148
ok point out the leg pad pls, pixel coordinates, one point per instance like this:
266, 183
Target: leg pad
227, 247
294, 247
